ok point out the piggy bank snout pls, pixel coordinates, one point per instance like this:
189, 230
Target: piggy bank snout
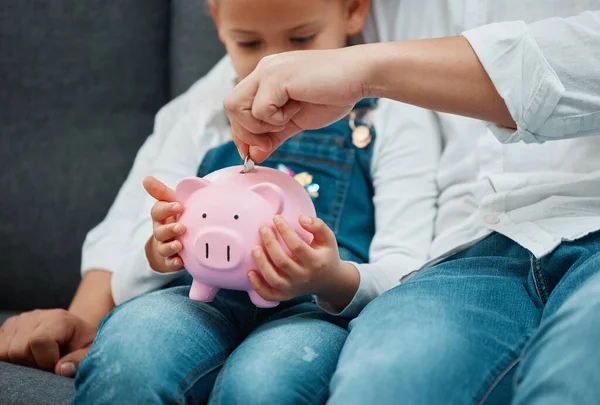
219, 248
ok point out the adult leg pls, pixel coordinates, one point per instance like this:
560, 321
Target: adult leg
446, 336
289, 359
561, 363
161, 347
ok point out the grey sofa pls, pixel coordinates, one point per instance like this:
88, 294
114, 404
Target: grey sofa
80, 83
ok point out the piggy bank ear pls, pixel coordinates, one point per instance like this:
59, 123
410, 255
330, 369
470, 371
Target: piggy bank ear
187, 186
271, 193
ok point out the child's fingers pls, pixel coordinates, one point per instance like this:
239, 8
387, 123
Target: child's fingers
174, 263
159, 190
169, 249
321, 232
268, 272
163, 210
263, 289
276, 252
292, 240
164, 233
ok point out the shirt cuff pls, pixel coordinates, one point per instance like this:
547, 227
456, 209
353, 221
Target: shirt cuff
521, 74
93, 253
365, 294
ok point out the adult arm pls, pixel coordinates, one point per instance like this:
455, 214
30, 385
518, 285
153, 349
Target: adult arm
541, 79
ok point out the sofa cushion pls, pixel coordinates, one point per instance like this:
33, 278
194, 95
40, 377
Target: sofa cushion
80, 83
194, 46
27, 386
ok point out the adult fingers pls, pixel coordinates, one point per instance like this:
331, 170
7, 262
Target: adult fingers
67, 365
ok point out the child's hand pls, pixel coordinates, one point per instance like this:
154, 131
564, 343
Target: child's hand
315, 269
162, 250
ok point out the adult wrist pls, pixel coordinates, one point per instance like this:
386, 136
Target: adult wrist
93, 299
375, 60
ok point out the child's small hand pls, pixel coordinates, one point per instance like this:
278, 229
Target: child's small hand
162, 250
315, 269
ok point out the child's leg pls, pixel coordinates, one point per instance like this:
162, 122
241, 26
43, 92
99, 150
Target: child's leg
446, 336
287, 360
161, 348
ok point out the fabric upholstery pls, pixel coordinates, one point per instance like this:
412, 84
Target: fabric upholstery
80, 83
27, 386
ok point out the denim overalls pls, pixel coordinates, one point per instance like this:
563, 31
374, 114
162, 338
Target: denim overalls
341, 171
186, 351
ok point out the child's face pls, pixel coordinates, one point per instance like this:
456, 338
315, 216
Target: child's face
253, 29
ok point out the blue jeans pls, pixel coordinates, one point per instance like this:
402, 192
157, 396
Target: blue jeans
165, 348
491, 325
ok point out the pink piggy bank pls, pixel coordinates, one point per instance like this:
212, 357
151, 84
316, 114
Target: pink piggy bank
222, 213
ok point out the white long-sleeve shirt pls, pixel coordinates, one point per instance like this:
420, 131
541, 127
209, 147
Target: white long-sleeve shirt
538, 195
543, 56
403, 168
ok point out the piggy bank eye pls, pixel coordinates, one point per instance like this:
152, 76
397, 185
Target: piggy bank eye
204, 215
236, 216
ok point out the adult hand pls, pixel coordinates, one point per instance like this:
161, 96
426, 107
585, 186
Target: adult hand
51, 340
294, 91
290, 92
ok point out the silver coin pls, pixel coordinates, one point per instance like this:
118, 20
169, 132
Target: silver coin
248, 164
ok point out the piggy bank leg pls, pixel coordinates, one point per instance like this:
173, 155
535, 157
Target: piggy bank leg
261, 302
202, 292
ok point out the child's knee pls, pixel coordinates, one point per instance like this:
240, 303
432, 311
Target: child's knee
126, 351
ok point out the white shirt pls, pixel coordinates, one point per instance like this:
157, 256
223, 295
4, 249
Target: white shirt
549, 75
403, 168
536, 194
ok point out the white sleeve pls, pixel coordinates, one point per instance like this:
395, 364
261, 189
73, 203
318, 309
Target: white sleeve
172, 152
106, 244
180, 157
547, 72
404, 167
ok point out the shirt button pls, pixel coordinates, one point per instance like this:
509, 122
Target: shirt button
492, 219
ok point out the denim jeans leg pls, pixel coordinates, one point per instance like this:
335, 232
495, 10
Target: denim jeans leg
446, 336
561, 363
289, 359
159, 348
